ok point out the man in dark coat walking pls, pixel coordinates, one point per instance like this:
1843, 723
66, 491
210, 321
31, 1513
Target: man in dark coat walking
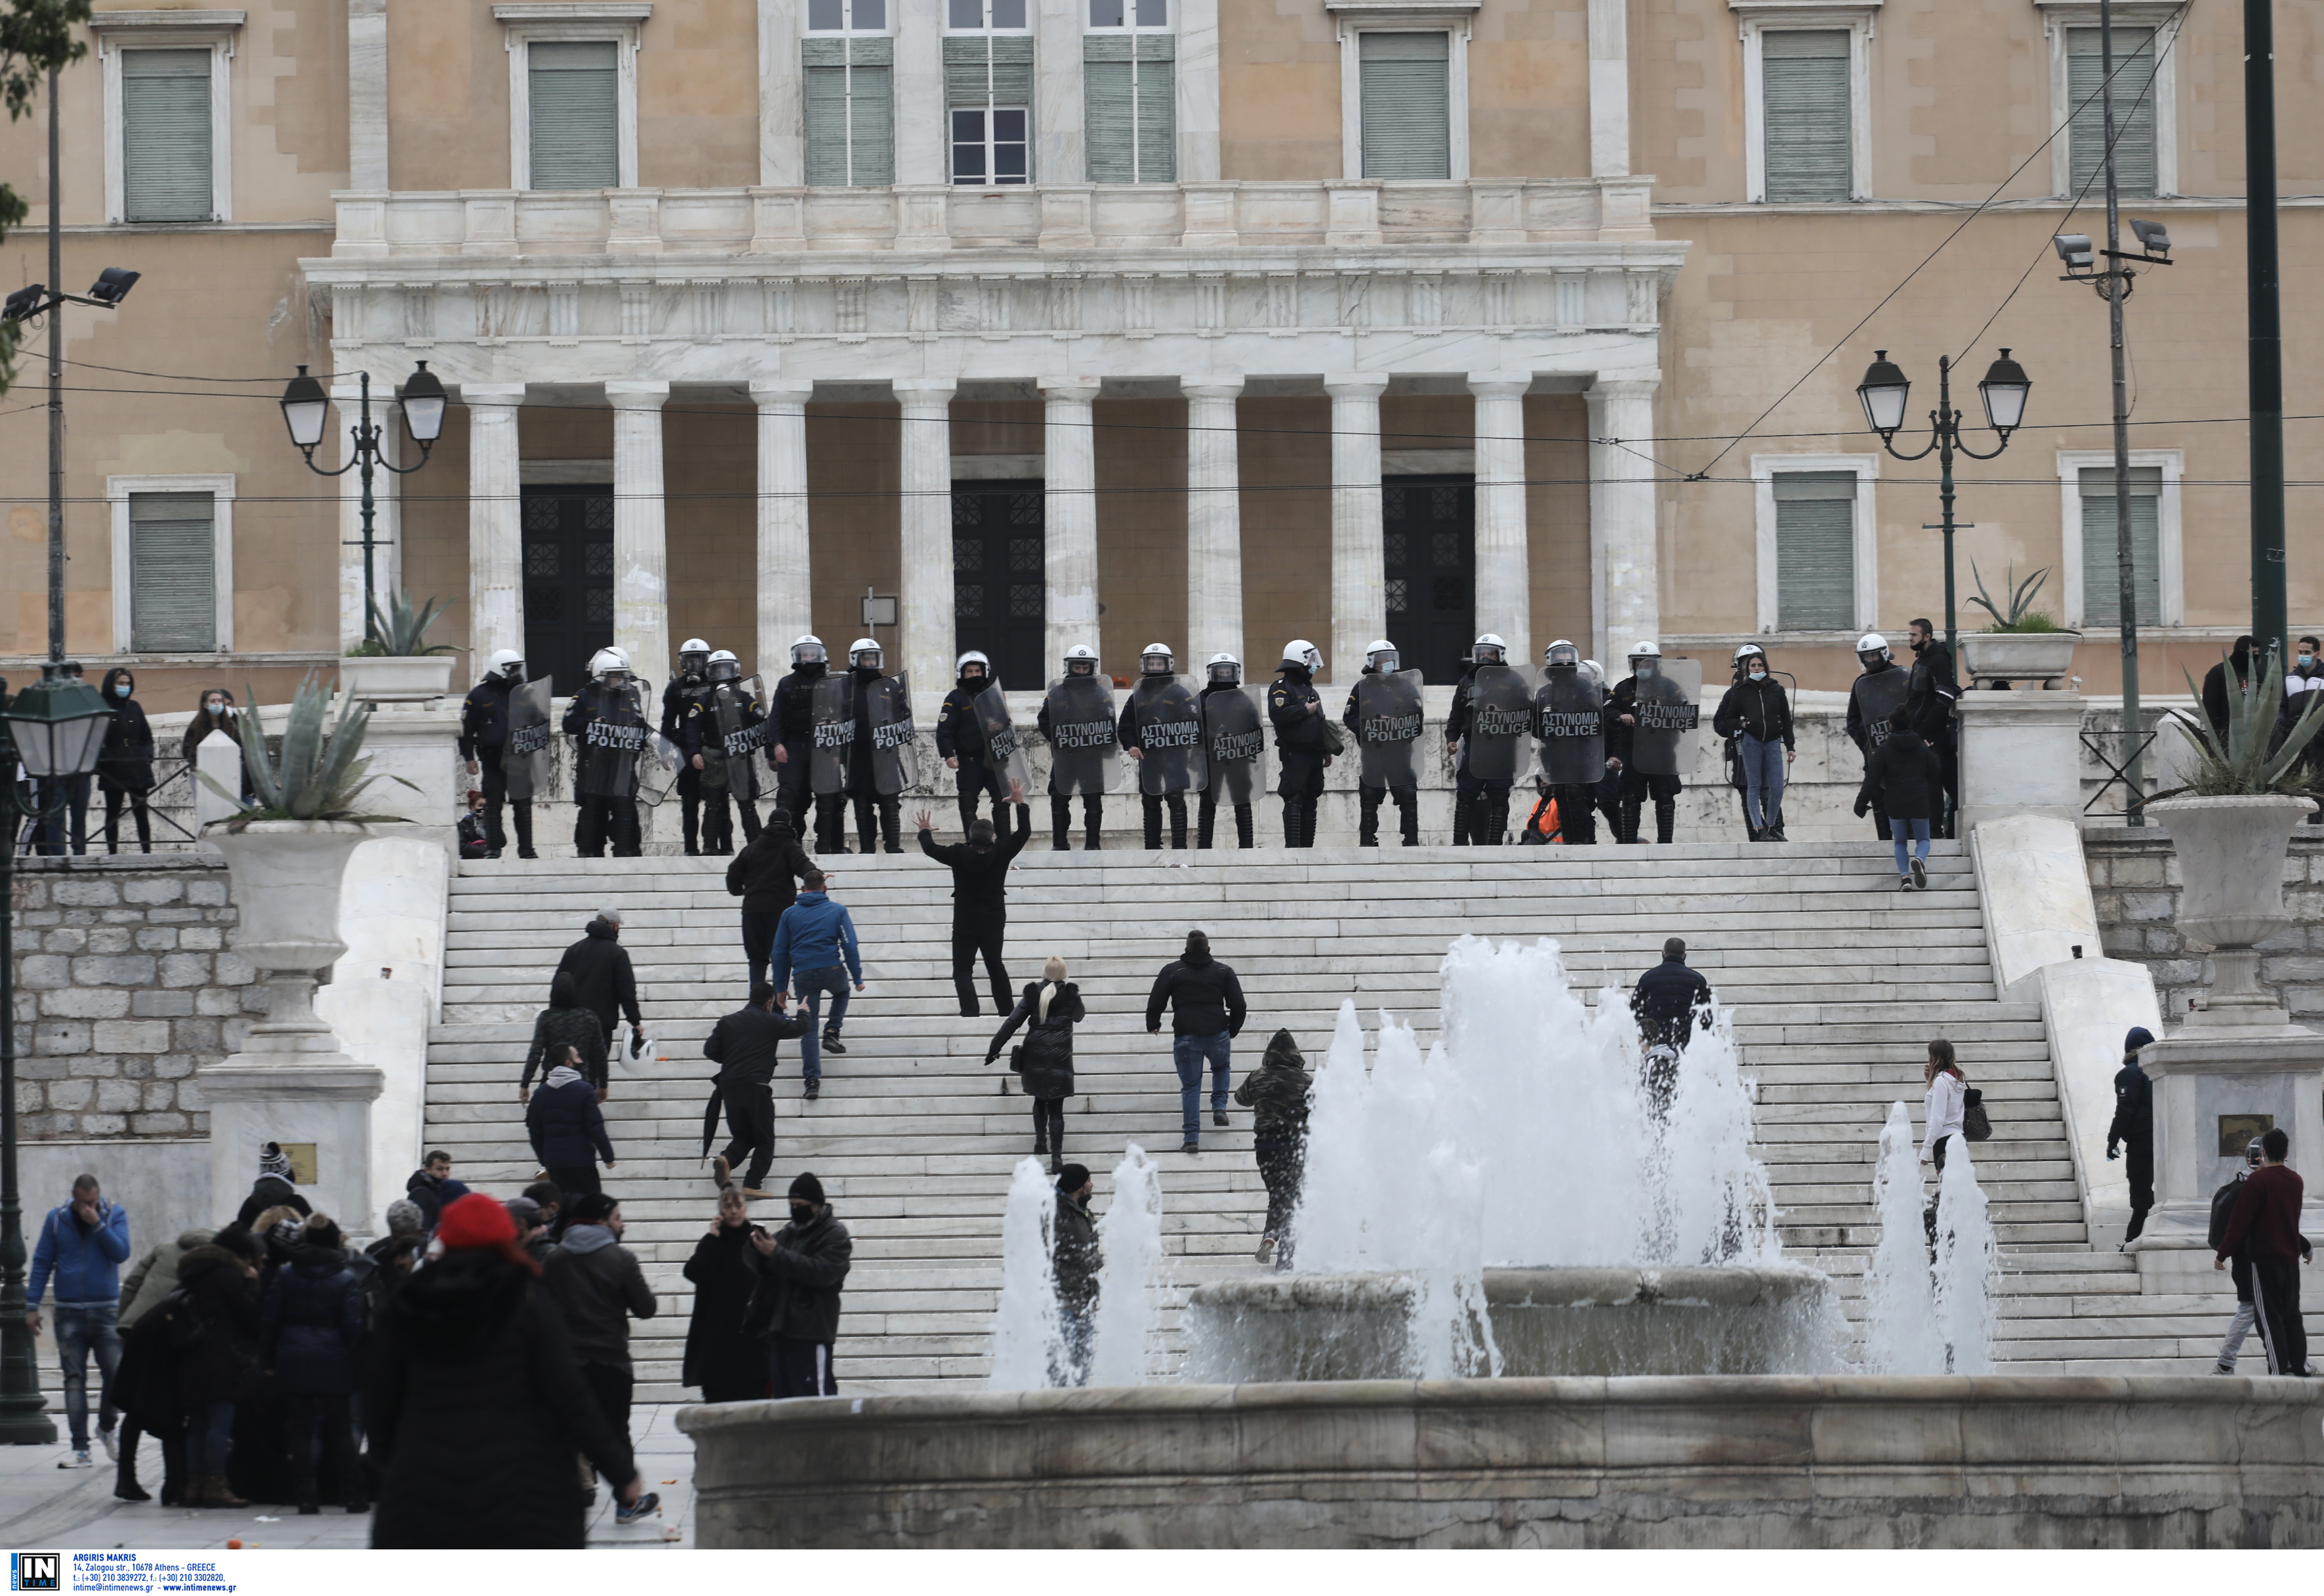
1206, 1014
980, 898
795, 1305
567, 1130
1902, 782
2265, 1226
744, 1044
1075, 1261
600, 967
1665, 1002
598, 1286
1276, 1095
308, 1327
765, 876
2133, 1131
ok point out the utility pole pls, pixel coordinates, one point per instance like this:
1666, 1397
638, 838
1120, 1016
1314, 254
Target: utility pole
56, 394
2266, 328
2118, 290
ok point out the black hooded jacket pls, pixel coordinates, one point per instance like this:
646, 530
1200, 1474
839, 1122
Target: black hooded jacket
1900, 776
744, 1044
797, 1294
126, 762
1929, 696
566, 1023
1276, 1092
600, 966
1757, 709
1664, 1001
765, 874
980, 871
1203, 995
2215, 685
2134, 1107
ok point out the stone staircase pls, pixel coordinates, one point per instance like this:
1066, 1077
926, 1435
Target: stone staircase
1838, 980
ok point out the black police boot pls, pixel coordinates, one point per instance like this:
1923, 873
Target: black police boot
1368, 816
1665, 819
1630, 810
1061, 822
968, 815
1242, 825
1463, 809
1207, 821
1151, 807
1291, 823
1178, 823
891, 825
1307, 814
1408, 810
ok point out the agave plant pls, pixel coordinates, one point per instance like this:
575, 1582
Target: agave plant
2020, 616
2248, 762
319, 776
399, 632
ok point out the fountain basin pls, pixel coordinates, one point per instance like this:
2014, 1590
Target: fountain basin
1549, 1322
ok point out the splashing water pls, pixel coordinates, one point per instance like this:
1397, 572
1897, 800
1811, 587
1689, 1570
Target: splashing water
1027, 1338
1900, 1324
1969, 1266
1130, 1278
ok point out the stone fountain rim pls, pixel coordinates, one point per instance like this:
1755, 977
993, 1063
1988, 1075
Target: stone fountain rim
1571, 1286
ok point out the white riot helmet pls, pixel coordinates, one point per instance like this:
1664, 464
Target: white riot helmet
1226, 671
974, 657
1745, 655
1562, 655
1594, 671
807, 650
506, 662
1872, 650
1301, 653
724, 667
693, 654
861, 647
609, 666
1489, 650
1380, 655
1081, 659
1648, 651
1157, 653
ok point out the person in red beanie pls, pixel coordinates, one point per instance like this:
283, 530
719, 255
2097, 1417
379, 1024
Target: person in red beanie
475, 1405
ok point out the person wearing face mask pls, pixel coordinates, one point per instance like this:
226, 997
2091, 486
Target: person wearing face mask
2306, 676
961, 740
1757, 714
796, 1303
790, 745
599, 1286
1928, 695
488, 717
1303, 742
217, 714
124, 765
676, 700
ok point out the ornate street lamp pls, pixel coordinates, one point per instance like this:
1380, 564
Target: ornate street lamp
307, 410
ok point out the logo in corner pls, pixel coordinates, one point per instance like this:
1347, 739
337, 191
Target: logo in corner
36, 1570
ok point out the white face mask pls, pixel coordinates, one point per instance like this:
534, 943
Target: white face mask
1642, 670
2306, 661
1757, 675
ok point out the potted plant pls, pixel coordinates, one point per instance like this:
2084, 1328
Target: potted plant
396, 663
2023, 643
2232, 825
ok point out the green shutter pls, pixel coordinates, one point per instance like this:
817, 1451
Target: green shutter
172, 572
165, 135
989, 70
2134, 112
1809, 146
1158, 109
2101, 572
1815, 550
576, 108
1406, 93
1129, 107
851, 98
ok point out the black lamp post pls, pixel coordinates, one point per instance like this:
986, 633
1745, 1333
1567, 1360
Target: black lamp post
306, 410
1883, 392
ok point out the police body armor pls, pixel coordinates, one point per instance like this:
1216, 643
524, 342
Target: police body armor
1081, 735
1388, 722
1570, 720
605, 765
1878, 695
888, 706
1500, 717
834, 703
1667, 708
528, 757
1169, 721
1233, 741
1004, 750
741, 708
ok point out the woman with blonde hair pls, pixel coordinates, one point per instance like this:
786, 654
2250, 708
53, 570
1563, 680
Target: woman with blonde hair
1045, 1059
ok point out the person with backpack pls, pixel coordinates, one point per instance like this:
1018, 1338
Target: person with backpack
1946, 1107
2265, 1219
1044, 1063
2223, 1208
1277, 1096
2133, 1130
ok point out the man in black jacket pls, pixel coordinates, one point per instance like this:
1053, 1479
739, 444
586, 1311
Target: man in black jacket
2214, 684
980, 898
598, 1284
1075, 1261
765, 876
1665, 1002
484, 738
796, 1304
600, 966
1928, 697
1206, 1014
677, 699
744, 1044
961, 741
1302, 750
2132, 1130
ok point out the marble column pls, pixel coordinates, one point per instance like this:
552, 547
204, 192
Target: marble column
1624, 559
1198, 91
1610, 90
786, 594
1359, 581
640, 544
922, 155
1060, 144
496, 522
367, 94
1213, 521
1069, 517
1504, 566
928, 649
387, 561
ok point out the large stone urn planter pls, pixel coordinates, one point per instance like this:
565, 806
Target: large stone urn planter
2231, 854
290, 1082
385, 679
2006, 656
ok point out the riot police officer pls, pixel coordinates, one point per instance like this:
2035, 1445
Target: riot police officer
1302, 748
791, 740
883, 724
1569, 718
1161, 728
1878, 693
693, 667
961, 741
484, 722
721, 746
1232, 740
1640, 745
607, 715
1384, 714
1077, 722
1492, 711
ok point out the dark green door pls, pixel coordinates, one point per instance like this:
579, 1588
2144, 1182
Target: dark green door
1428, 534
568, 581
1000, 594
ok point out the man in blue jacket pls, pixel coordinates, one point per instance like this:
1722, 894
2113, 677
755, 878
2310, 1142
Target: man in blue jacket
811, 940
83, 1245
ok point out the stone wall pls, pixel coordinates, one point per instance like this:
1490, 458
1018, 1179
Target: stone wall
2134, 878
124, 988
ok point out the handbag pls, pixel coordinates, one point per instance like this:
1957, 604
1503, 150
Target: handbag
1975, 1125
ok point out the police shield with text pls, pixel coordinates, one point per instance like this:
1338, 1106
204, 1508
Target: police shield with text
1384, 712
1302, 741
790, 741
1492, 716
962, 740
1878, 693
503, 735
1650, 728
1077, 721
726, 728
1570, 722
1233, 741
832, 701
876, 775
1161, 728
607, 722
693, 674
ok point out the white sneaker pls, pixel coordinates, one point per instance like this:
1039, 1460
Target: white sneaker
111, 1446
75, 1460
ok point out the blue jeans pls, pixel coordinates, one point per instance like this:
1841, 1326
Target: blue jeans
1189, 1053
1762, 778
1897, 826
79, 1331
812, 988
209, 1430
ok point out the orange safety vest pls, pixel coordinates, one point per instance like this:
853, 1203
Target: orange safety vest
1546, 821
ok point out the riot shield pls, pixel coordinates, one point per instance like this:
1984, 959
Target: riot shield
741, 732
1081, 735
606, 762
1169, 723
660, 763
1233, 741
1667, 709
1388, 720
888, 706
1569, 719
1500, 717
1004, 751
834, 706
1878, 695
531, 750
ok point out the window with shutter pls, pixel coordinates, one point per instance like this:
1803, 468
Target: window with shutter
851, 110
172, 573
1129, 94
1809, 148
2134, 112
2101, 570
1405, 89
988, 94
574, 87
165, 136
1815, 550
